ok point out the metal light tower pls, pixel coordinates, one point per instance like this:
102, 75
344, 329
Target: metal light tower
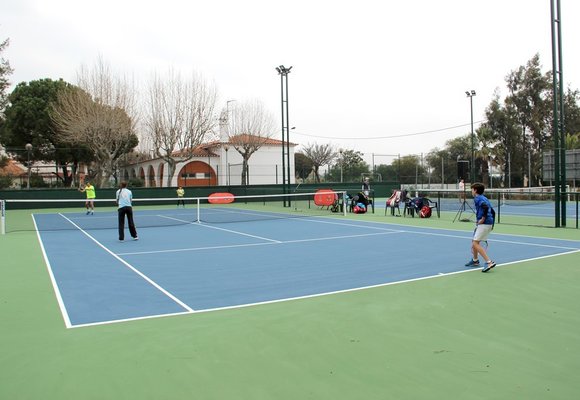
471, 94
340, 151
558, 111
283, 72
226, 148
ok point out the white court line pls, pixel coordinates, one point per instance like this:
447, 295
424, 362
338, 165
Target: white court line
254, 244
346, 224
116, 321
364, 225
496, 240
438, 275
142, 275
59, 299
220, 229
365, 222
467, 236
341, 237
197, 248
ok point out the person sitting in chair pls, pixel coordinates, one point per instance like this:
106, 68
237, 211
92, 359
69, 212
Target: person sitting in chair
359, 198
366, 187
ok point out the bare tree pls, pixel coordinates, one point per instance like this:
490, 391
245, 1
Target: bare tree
319, 154
180, 117
100, 114
250, 126
5, 71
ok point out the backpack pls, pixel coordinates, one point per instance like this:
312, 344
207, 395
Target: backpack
359, 208
425, 212
417, 202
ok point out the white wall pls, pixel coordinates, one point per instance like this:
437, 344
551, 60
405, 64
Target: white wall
265, 166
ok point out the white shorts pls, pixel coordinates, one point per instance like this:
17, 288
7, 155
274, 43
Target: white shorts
481, 232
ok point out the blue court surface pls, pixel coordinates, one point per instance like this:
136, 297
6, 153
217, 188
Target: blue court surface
198, 267
537, 210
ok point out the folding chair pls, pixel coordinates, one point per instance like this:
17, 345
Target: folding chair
432, 205
393, 202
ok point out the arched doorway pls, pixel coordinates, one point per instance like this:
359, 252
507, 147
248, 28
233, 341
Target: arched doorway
151, 177
197, 173
160, 175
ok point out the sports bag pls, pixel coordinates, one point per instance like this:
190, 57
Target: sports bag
359, 208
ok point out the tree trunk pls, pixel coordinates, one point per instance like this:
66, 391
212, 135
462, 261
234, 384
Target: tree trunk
170, 169
316, 174
66, 179
245, 172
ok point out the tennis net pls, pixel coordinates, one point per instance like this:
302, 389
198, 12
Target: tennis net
67, 214
533, 206
450, 198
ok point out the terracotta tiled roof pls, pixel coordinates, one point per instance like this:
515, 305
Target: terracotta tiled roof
13, 169
203, 149
268, 141
199, 151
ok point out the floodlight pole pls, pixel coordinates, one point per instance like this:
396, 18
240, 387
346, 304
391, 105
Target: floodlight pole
558, 111
471, 94
226, 148
340, 151
283, 72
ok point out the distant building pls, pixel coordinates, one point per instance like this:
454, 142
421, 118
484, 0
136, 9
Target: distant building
215, 164
16, 171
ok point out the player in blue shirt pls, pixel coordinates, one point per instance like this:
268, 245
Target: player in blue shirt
484, 225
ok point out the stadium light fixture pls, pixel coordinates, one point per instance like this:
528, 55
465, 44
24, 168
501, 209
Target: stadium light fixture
283, 72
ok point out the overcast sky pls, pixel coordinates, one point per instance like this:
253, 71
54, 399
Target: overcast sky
361, 69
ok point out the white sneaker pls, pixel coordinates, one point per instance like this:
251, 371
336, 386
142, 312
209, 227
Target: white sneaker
136, 238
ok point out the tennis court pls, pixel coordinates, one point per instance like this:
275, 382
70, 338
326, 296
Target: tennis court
193, 267
319, 304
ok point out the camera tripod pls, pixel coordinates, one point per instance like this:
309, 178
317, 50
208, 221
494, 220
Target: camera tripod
463, 208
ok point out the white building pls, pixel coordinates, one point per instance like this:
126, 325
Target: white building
216, 164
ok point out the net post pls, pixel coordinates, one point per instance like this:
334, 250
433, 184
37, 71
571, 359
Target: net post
344, 205
3, 219
198, 210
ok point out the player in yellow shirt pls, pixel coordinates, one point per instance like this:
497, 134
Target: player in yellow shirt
180, 194
91, 195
